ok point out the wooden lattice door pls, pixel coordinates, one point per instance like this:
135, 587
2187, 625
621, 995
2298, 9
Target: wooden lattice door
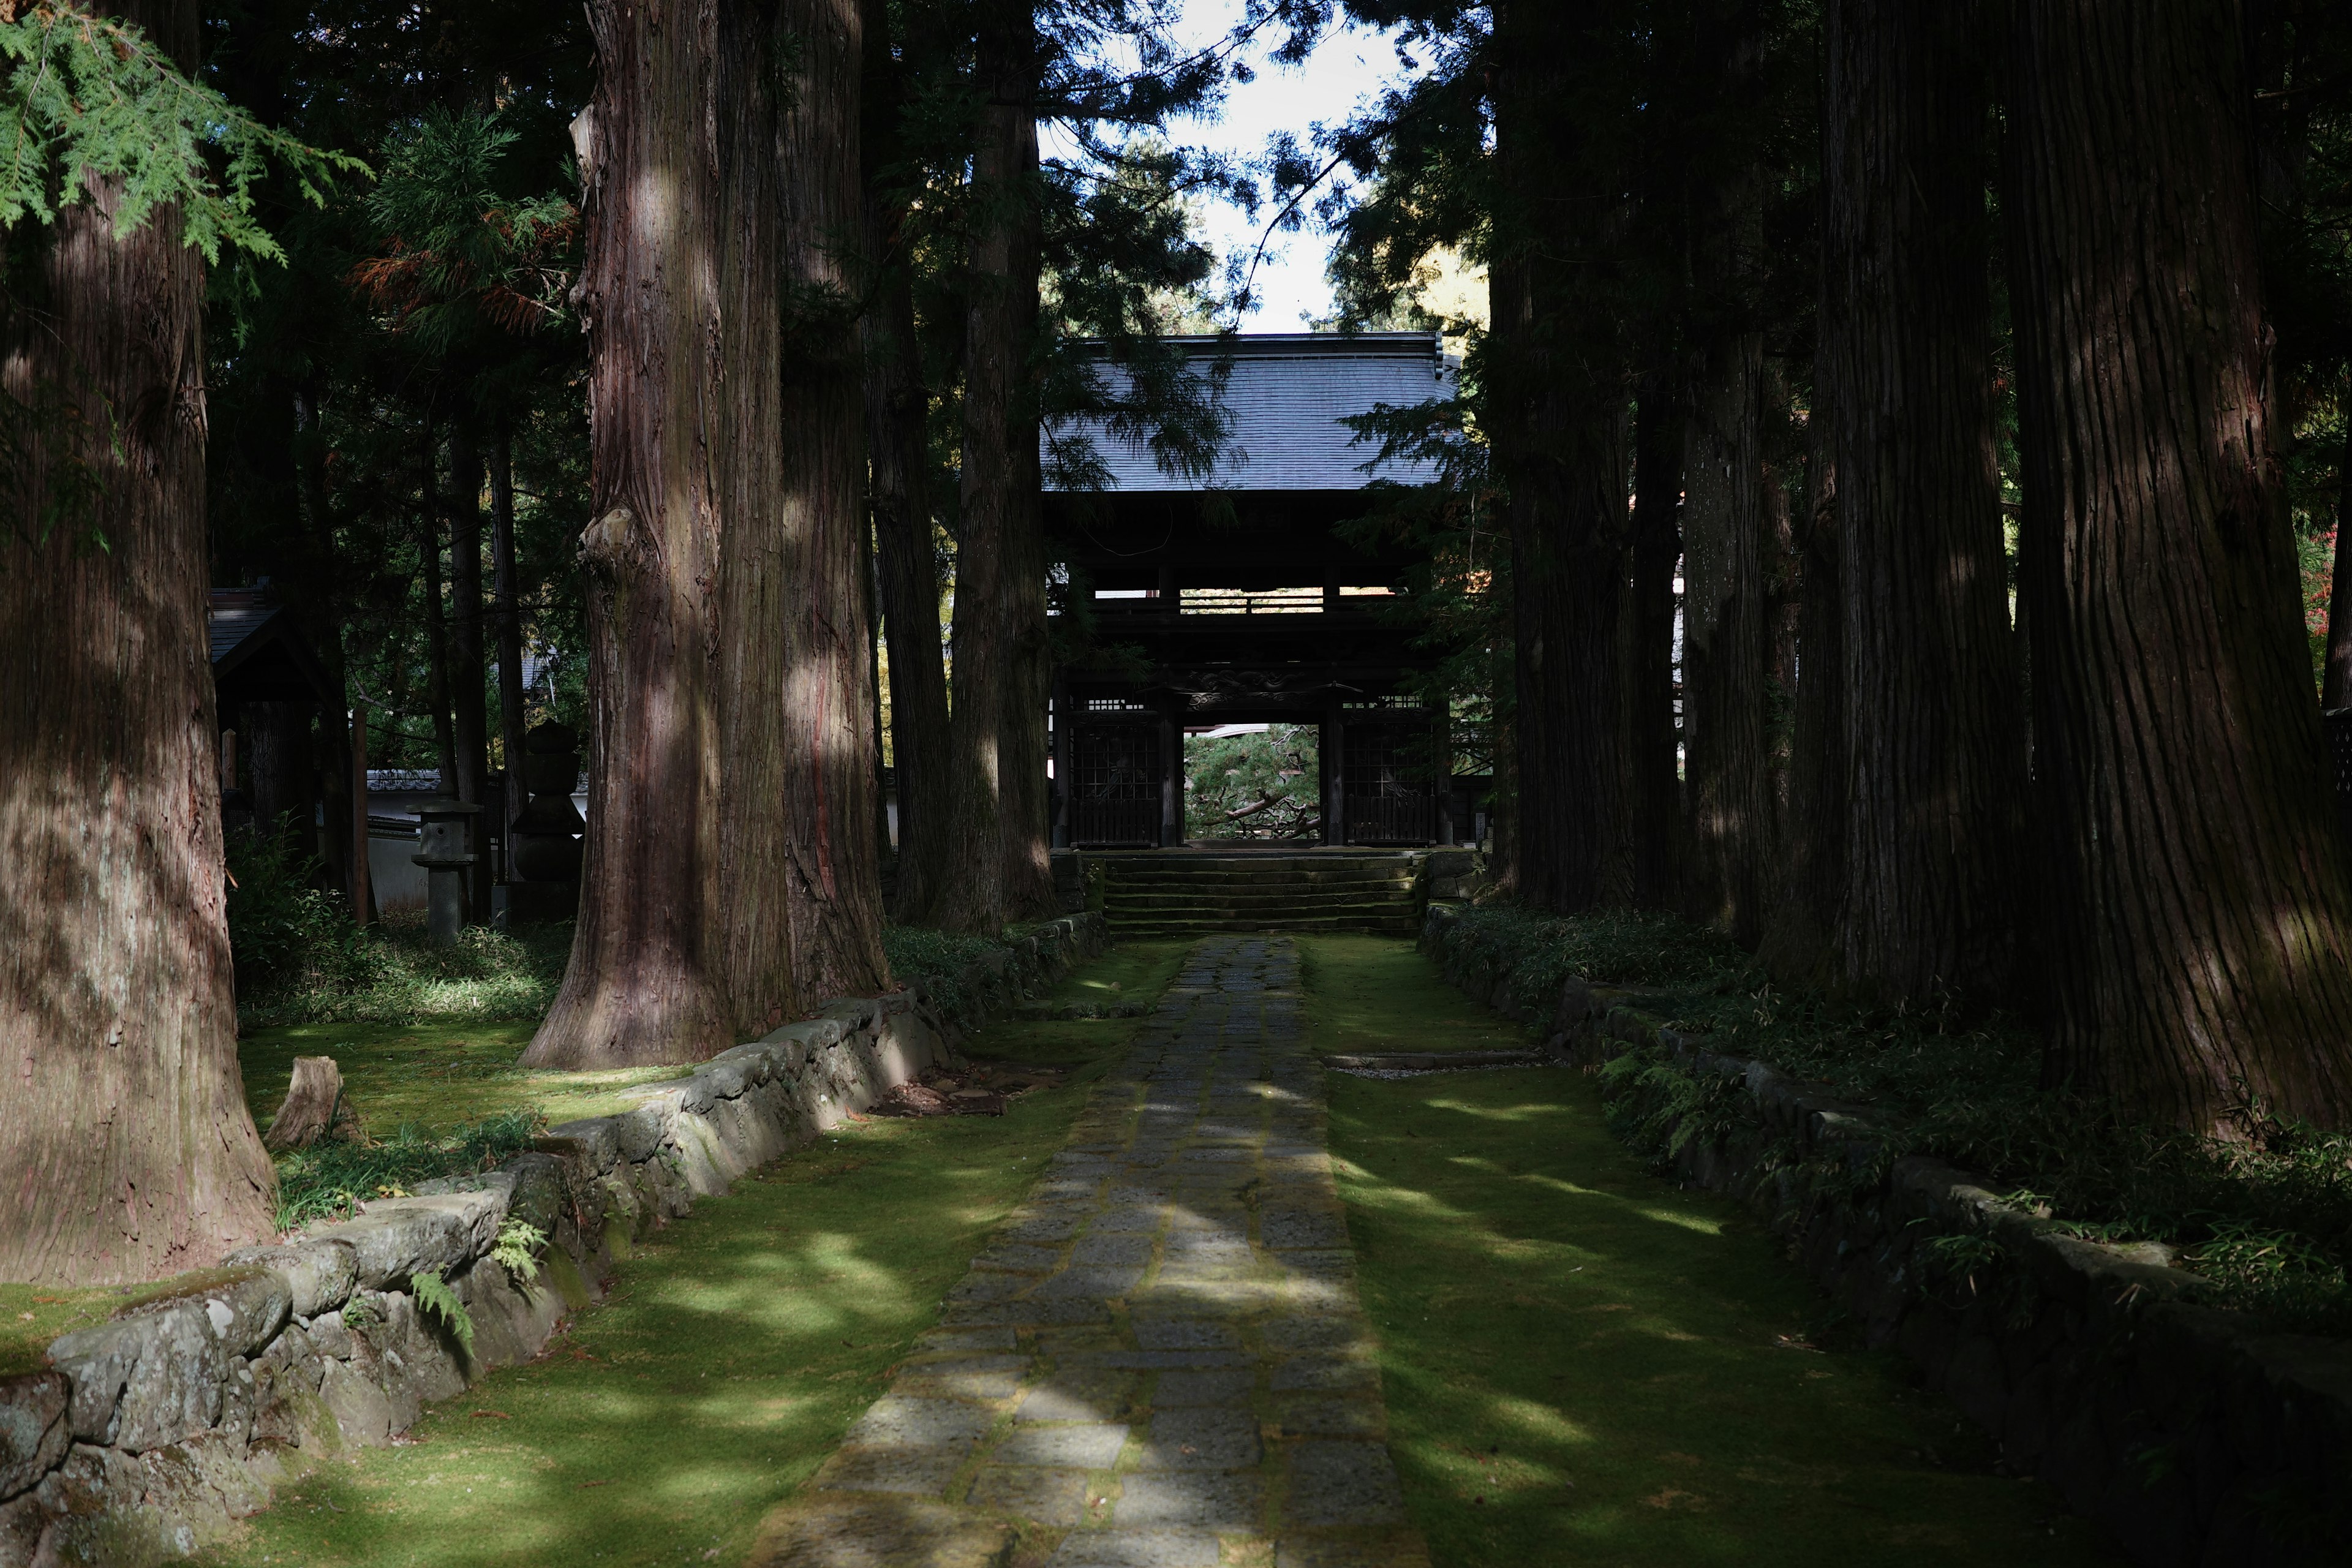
1115, 786
1388, 800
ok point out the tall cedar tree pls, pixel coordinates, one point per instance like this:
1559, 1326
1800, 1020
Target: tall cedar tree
1731, 521
1935, 744
815, 588
897, 405
972, 898
1029, 655
2199, 921
1653, 773
1556, 399
684, 935
127, 1150
469, 710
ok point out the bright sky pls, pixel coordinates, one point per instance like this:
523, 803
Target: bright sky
1350, 65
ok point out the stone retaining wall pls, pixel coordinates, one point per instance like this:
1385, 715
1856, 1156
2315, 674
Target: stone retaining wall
150, 1431
2195, 1435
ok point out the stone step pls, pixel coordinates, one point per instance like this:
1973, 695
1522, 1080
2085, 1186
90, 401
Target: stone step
1304, 875
1374, 925
1253, 897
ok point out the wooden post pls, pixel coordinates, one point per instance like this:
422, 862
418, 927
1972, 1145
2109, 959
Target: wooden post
1171, 782
1334, 777
1063, 713
362, 881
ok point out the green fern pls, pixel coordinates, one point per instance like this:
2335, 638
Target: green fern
434, 1295
518, 1247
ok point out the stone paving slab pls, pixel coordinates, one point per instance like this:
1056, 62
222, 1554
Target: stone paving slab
1158, 1361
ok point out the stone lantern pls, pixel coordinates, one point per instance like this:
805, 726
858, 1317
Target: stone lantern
445, 835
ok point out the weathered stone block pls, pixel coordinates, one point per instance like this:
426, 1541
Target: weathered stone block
641, 1131
397, 1237
362, 1412
146, 1380
34, 1435
318, 1271
595, 1142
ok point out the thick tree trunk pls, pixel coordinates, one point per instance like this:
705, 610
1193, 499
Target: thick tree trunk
647, 976
468, 708
278, 752
1936, 744
899, 465
1728, 520
1557, 387
1797, 941
1654, 783
437, 623
2199, 920
833, 879
1029, 670
126, 1149
2335, 680
972, 898
508, 619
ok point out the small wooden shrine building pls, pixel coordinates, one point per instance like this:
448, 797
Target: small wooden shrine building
1230, 599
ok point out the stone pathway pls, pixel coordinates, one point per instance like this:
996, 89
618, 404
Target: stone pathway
1159, 1361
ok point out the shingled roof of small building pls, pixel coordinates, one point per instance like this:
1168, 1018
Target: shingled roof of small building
258, 654
1287, 396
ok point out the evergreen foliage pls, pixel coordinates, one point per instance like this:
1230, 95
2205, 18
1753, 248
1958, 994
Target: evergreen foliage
89, 99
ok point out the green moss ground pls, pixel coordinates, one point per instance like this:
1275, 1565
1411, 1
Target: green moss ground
1367, 1000
435, 1075
1586, 1365
737, 1347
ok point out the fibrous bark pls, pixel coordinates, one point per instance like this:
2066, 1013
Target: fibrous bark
469, 710
972, 898
2198, 924
899, 465
1029, 655
1558, 399
126, 1149
1935, 745
1654, 779
833, 877
508, 620
1727, 521
648, 971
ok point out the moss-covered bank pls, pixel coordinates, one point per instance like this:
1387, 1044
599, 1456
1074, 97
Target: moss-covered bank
1585, 1365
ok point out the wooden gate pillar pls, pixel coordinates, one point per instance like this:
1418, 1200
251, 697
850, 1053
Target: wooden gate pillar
1064, 779
1171, 782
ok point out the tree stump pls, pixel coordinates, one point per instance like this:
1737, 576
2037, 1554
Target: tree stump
314, 1108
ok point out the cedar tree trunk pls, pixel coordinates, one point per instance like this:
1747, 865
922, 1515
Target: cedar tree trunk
1728, 640
2199, 920
1654, 783
1557, 387
1796, 948
2336, 682
1029, 664
437, 625
646, 981
834, 878
1936, 744
126, 1149
507, 617
898, 468
996, 360
469, 716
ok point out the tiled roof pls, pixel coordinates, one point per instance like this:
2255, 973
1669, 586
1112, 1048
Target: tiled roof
1288, 393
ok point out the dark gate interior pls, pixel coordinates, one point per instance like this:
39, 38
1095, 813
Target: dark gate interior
1388, 800
1115, 786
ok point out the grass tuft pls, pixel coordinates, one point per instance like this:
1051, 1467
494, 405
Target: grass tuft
326, 1181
